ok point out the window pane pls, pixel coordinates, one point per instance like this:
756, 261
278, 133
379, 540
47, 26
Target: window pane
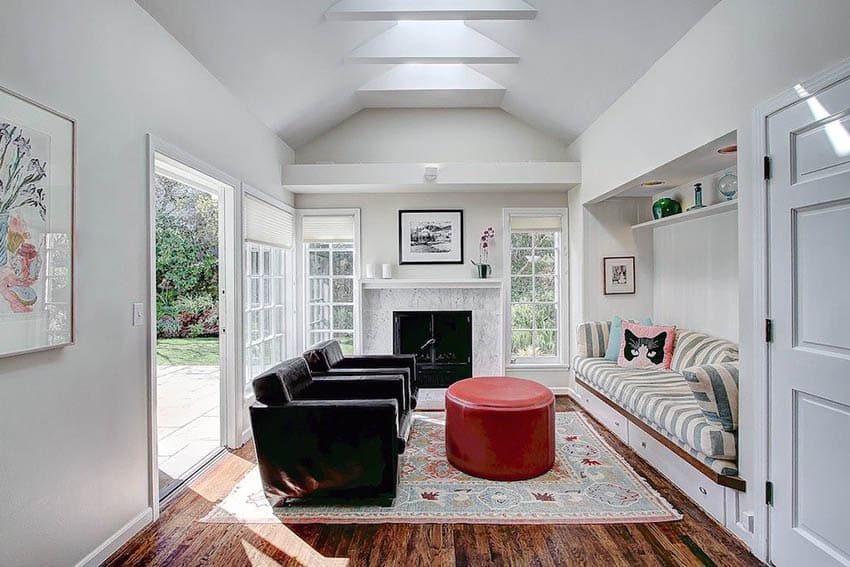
268, 324
346, 341
267, 261
319, 337
320, 290
522, 316
255, 361
343, 263
545, 317
520, 262
544, 239
343, 290
268, 355
255, 325
544, 288
320, 264
521, 343
544, 262
255, 261
318, 246
343, 317
267, 291
546, 343
520, 240
255, 292
320, 317
520, 289
279, 321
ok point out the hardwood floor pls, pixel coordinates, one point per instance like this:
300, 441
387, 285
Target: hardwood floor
178, 539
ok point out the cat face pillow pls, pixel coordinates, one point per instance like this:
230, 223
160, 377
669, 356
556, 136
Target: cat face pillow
646, 346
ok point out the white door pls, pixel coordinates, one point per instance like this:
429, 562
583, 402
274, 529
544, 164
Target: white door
809, 289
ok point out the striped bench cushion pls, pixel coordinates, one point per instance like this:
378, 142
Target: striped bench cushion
592, 338
663, 400
715, 388
693, 348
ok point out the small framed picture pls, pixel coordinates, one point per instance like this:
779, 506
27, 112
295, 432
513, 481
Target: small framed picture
430, 237
618, 274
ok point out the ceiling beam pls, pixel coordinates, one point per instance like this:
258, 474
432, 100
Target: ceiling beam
389, 10
432, 42
431, 86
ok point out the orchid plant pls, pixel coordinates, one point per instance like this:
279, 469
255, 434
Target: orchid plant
20, 177
484, 245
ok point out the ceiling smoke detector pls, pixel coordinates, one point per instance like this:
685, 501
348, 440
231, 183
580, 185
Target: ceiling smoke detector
431, 172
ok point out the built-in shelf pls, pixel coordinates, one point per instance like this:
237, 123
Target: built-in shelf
430, 284
716, 209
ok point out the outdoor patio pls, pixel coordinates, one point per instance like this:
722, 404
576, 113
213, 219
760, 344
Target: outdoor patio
188, 418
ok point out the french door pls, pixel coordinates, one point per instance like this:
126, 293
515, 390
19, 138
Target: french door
809, 259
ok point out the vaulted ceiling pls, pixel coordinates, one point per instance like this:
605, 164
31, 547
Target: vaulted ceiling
304, 66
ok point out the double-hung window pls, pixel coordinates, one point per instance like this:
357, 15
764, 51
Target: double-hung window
534, 247
331, 291
268, 287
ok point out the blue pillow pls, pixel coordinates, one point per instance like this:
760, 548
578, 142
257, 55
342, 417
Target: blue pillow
615, 337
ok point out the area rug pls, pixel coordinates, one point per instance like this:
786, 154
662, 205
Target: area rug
431, 399
589, 484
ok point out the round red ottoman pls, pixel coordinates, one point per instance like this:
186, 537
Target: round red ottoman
500, 428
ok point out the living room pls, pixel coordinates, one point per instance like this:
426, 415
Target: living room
403, 282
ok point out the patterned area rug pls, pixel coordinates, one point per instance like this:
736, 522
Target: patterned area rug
589, 484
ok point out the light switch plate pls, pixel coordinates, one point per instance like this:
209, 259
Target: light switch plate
138, 314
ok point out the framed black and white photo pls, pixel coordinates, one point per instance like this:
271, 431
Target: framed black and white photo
37, 171
618, 273
430, 237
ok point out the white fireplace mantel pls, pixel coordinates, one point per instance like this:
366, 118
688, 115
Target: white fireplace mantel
402, 283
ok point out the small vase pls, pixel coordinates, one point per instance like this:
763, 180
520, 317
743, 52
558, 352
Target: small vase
665, 207
484, 270
728, 186
697, 197
4, 238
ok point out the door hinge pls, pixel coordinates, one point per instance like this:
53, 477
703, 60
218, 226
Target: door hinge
767, 167
768, 330
768, 493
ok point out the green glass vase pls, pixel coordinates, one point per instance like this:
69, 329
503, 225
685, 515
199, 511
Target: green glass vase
665, 207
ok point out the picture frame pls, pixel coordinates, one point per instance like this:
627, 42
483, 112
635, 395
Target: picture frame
618, 275
430, 236
38, 147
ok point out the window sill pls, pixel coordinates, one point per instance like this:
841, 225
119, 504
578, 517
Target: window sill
543, 366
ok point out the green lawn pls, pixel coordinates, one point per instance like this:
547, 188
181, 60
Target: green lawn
194, 352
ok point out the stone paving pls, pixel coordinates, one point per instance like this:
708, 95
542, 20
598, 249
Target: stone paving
188, 418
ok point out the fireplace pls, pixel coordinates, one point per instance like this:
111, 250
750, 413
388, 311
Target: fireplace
441, 342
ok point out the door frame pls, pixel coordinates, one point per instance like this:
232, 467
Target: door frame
761, 293
229, 263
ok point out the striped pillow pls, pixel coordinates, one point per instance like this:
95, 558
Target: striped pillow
592, 339
715, 388
695, 349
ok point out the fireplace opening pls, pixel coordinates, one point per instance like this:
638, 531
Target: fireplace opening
441, 342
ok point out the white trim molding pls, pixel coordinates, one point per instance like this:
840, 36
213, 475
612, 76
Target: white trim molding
127, 532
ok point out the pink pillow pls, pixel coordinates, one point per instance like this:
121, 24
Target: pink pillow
646, 346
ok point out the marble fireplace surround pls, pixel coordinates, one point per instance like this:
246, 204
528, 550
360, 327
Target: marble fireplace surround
378, 305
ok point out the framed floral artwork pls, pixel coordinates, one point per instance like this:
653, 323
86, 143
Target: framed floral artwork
37, 178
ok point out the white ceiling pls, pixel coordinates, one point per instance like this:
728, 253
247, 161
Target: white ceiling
295, 69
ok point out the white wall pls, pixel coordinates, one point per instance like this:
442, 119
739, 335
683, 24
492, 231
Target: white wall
608, 232
432, 134
73, 447
740, 53
379, 224
695, 270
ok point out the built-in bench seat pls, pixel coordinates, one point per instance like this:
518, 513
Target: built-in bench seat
664, 401
656, 413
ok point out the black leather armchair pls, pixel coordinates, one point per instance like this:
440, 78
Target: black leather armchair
326, 359
329, 439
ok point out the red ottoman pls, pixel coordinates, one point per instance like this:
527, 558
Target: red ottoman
500, 428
